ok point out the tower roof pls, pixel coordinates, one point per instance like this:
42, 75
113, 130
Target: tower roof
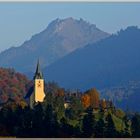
38, 73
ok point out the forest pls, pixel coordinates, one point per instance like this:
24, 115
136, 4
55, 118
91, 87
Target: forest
84, 116
63, 114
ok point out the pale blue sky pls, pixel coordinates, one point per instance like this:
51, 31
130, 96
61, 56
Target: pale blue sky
19, 21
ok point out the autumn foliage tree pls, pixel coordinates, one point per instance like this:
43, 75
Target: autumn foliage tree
91, 98
85, 100
13, 85
94, 97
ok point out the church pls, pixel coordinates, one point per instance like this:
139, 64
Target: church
36, 93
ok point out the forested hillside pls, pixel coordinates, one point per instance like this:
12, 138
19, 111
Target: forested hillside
85, 117
13, 85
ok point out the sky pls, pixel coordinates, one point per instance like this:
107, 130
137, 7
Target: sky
20, 20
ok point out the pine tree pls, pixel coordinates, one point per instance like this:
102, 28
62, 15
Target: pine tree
67, 130
100, 129
89, 123
48, 121
37, 121
127, 127
58, 105
110, 127
135, 126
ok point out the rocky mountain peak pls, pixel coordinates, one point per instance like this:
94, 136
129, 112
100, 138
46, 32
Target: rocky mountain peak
61, 37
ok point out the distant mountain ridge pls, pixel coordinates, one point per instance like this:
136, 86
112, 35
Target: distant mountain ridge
59, 39
107, 63
125, 96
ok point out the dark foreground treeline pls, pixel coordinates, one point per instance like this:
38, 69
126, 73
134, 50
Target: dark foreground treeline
51, 119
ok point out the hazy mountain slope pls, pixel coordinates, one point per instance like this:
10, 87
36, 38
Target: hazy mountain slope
109, 62
57, 40
125, 96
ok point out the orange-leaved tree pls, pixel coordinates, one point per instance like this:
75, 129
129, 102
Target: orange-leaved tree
94, 97
85, 100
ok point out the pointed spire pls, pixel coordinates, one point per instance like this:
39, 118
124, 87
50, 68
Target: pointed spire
38, 67
38, 73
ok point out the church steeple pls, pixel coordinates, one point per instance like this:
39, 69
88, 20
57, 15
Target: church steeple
38, 73
38, 94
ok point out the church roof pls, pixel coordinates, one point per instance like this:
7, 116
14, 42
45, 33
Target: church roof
38, 73
30, 92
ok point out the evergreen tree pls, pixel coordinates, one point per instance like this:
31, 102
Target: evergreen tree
50, 122
110, 127
100, 129
25, 127
58, 105
135, 126
77, 107
67, 130
37, 121
89, 123
48, 100
127, 127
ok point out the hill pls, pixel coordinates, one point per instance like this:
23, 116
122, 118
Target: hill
125, 96
59, 39
13, 85
106, 63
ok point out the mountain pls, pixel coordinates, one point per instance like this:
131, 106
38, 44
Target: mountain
59, 39
125, 96
106, 63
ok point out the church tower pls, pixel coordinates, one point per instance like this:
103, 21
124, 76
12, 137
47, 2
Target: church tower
38, 94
